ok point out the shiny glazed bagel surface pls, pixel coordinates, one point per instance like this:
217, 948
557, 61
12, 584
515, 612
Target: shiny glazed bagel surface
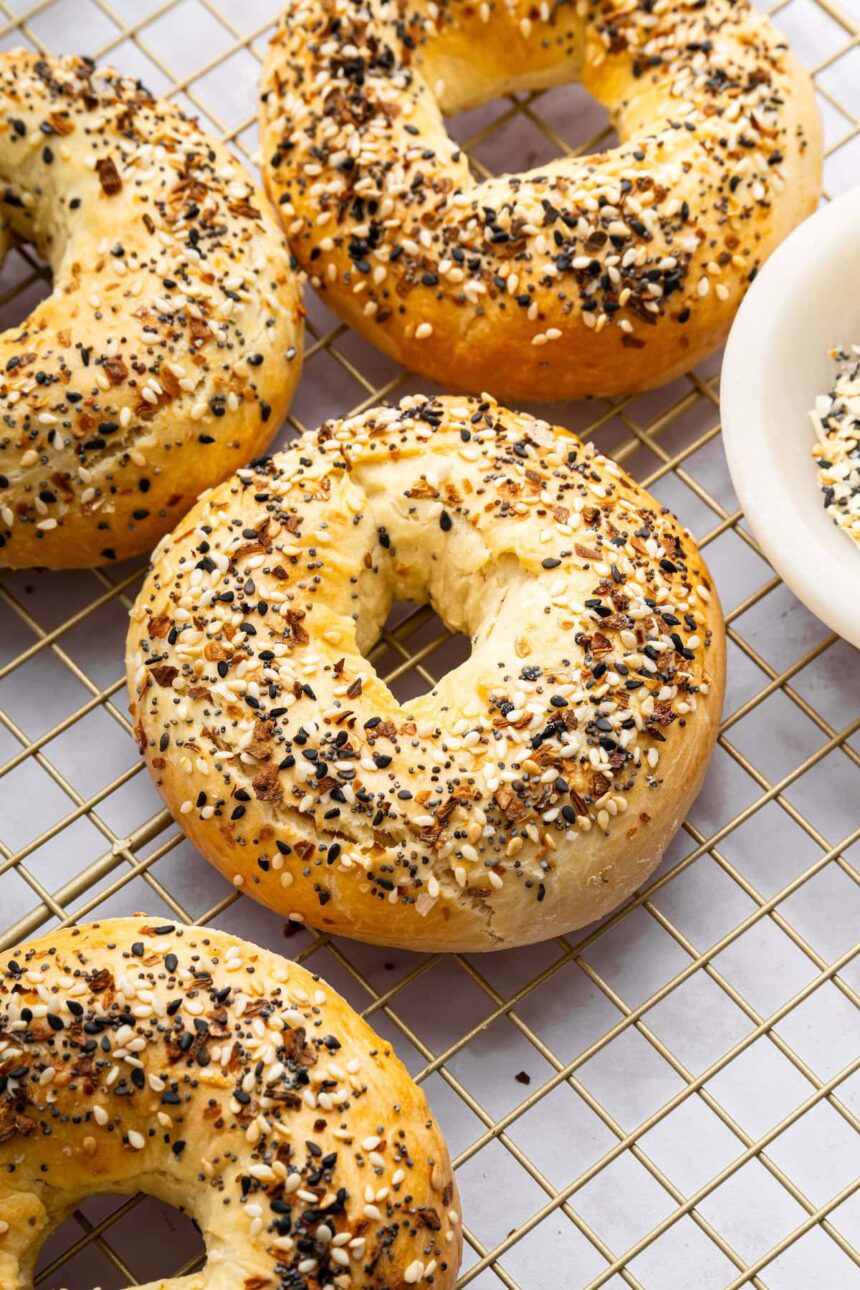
602, 274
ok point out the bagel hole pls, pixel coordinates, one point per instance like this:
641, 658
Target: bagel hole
419, 630
151, 1238
542, 127
25, 280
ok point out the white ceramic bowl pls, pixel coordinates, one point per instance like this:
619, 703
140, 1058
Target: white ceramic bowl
805, 300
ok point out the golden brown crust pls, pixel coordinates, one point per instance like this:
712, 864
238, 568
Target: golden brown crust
536, 785
230, 1082
591, 275
169, 349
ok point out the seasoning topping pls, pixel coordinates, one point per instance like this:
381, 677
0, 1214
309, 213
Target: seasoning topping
172, 286
291, 1132
297, 770
595, 274
836, 421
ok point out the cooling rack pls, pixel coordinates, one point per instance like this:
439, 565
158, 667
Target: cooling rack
667, 1100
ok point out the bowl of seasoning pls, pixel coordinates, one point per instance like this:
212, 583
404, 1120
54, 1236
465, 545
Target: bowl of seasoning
790, 404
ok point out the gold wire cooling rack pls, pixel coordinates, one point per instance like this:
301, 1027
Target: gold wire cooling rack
669, 1099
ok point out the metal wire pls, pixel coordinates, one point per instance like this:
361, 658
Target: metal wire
669, 441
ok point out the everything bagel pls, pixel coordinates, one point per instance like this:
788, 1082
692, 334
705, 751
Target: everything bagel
603, 274
198, 1068
536, 785
169, 348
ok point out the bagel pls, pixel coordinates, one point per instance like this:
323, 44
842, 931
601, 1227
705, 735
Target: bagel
536, 785
604, 274
169, 348
191, 1065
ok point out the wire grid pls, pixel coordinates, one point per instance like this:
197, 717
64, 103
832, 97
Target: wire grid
693, 1116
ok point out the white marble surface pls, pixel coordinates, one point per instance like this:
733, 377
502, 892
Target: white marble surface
567, 1003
